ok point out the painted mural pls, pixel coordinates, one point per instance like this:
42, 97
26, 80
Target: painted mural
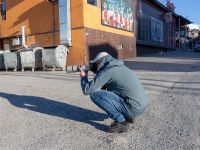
117, 14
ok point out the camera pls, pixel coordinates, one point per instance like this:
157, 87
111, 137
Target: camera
90, 67
93, 67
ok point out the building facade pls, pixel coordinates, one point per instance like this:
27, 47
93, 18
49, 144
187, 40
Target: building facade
157, 27
87, 27
47, 21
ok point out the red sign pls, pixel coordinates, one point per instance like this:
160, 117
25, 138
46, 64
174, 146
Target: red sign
170, 5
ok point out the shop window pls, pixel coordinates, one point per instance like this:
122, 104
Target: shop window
92, 2
3, 9
156, 30
144, 28
150, 29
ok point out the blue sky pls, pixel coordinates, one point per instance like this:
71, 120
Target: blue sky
189, 9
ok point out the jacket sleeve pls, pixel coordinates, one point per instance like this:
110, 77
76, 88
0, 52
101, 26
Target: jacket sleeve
97, 83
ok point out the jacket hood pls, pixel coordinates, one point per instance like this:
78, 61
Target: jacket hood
109, 62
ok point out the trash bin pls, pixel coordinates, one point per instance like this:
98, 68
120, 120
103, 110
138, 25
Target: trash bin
2, 66
31, 58
54, 57
12, 60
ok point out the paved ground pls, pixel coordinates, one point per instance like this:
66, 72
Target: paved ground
47, 110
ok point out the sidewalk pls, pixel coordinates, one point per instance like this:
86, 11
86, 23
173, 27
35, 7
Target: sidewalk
47, 110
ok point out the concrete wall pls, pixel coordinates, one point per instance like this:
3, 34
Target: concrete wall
37, 16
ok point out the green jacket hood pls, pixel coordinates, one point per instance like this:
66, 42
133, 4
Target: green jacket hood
108, 62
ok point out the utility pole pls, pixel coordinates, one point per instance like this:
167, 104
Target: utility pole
179, 33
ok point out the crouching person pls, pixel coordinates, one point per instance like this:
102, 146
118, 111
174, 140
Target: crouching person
115, 89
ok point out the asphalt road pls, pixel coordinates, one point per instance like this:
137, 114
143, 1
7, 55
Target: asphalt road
47, 110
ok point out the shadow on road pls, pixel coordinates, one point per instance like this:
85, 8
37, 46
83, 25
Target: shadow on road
177, 61
163, 67
55, 108
184, 55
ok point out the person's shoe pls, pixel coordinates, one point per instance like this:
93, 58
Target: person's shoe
118, 127
129, 120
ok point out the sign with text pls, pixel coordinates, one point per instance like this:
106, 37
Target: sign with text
170, 5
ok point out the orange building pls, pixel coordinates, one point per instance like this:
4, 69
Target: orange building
86, 32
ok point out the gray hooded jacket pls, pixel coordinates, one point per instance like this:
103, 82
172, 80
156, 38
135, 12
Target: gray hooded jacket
119, 79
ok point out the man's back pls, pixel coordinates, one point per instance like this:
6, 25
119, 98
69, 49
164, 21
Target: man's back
124, 98
126, 84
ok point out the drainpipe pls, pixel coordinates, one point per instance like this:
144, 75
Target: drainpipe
186, 33
69, 38
23, 36
65, 23
179, 28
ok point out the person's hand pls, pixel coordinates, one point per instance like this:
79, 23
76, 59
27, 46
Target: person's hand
82, 73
